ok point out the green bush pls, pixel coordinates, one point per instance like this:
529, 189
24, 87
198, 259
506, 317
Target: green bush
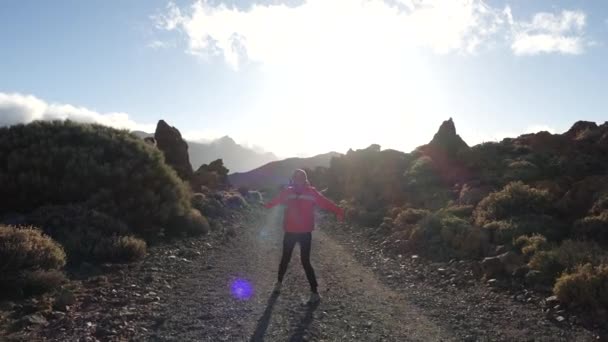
505, 232
208, 205
30, 262
422, 173
193, 223
585, 287
440, 234
87, 235
515, 199
109, 170
410, 216
461, 211
522, 170
566, 257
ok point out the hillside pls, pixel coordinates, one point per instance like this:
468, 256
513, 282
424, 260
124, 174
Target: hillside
237, 158
276, 173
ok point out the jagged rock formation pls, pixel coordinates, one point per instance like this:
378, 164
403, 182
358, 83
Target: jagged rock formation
169, 140
213, 176
446, 140
236, 157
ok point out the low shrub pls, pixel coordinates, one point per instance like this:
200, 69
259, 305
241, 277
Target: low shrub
28, 249
127, 249
585, 287
515, 199
37, 282
30, 262
193, 223
410, 216
566, 257
600, 206
504, 232
530, 244
236, 201
87, 235
593, 227
461, 211
444, 235
208, 205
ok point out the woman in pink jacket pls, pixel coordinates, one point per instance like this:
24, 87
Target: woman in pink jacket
300, 199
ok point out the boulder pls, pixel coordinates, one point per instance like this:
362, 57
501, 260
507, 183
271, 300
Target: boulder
169, 141
492, 267
511, 261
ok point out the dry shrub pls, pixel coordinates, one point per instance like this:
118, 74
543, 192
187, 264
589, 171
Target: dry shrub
127, 249
30, 262
40, 281
585, 287
27, 248
593, 227
530, 244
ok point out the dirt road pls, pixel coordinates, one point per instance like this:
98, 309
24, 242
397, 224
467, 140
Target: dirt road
205, 290
357, 305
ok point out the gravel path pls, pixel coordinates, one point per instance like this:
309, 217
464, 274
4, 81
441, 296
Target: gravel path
355, 306
185, 292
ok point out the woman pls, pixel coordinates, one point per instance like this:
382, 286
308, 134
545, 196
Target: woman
300, 199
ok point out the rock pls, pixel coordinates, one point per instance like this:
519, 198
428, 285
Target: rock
447, 139
64, 299
511, 261
579, 127
521, 272
492, 267
169, 141
33, 319
551, 300
500, 249
533, 277
559, 319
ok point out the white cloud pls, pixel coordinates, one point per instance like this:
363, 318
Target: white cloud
550, 33
321, 28
337, 30
158, 44
17, 108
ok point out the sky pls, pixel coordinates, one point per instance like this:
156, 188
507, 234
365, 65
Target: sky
302, 77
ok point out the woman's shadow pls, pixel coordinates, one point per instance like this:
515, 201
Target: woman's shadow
264, 321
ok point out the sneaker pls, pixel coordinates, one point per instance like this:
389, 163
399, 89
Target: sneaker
277, 287
314, 298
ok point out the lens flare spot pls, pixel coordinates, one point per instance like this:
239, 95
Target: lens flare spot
241, 289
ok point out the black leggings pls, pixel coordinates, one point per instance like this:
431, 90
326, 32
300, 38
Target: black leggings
289, 242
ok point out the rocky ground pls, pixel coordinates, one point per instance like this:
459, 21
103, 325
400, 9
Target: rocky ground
212, 289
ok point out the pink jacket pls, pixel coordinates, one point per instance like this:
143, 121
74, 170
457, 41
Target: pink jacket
300, 202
